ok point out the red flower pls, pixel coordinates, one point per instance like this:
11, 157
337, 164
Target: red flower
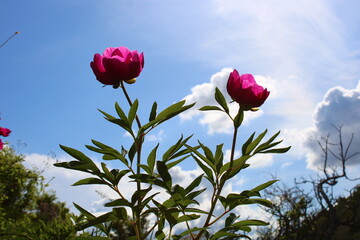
244, 90
4, 132
117, 64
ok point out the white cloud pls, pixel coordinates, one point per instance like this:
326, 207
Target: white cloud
157, 137
339, 107
61, 179
261, 160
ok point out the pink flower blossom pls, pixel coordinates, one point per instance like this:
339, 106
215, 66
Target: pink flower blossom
117, 64
244, 90
4, 132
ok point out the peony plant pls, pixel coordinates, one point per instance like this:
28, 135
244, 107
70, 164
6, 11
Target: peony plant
152, 174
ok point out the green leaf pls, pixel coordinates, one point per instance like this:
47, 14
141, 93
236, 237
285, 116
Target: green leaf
120, 213
107, 173
174, 163
263, 202
133, 111
178, 189
180, 153
146, 169
219, 97
219, 157
222, 234
151, 159
92, 220
76, 154
209, 155
121, 113
107, 116
210, 108
196, 210
202, 157
189, 217
166, 114
237, 163
254, 143
230, 219
89, 238
145, 201
248, 193
76, 165
187, 232
268, 143
120, 174
246, 144
160, 235
83, 211
153, 112
174, 149
109, 153
264, 185
118, 202
90, 180
194, 184
238, 119
173, 110
207, 171
108, 157
86, 163
194, 194
144, 178
139, 195
132, 152
164, 174
277, 150
170, 110
250, 222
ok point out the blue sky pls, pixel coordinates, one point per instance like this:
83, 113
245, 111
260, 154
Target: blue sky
307, 53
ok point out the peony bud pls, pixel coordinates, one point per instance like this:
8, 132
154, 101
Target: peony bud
244, 90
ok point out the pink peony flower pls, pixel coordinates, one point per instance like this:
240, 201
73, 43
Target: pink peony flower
117, 64
244, 90
4, 132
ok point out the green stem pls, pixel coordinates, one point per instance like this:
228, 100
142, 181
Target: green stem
138, 162
129, 101
188, 226
217, 191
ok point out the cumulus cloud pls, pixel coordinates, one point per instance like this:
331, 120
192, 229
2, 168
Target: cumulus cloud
203, 94
61, 179
156, 137
339, 107
261, 160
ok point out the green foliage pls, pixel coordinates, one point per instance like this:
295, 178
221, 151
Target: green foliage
298, 220
153, 177
26, 211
